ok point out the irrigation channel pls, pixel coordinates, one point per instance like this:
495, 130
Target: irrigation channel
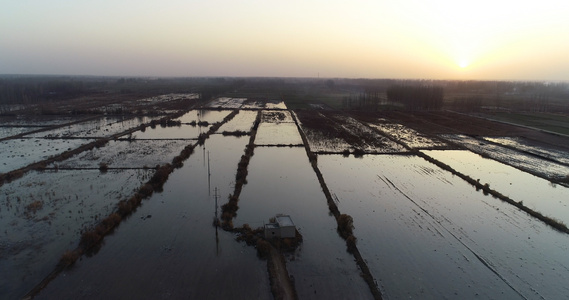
421, 231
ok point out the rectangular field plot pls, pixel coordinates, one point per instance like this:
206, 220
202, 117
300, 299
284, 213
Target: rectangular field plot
226, 102
526, 162
204, 115
275, 104
536, 193
276, 116
18, 153
426, 234
40, 120
170, 133
243, 121
11, 131
128, 154
169, 247
270, 104
278, 134
408, 136
338, 133
531, 147
102, 127
281, 180
42, 214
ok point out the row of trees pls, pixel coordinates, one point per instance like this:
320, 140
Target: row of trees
34, 90
417, 97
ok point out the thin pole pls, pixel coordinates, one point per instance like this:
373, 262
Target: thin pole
209, 177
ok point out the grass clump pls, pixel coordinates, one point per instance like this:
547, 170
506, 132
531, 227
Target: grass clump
89, 239
345, 225
103, 167
263, 248
34, 206
68, 258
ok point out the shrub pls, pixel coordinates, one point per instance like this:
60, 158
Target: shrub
89, 239
146, 190
345, 225
68, 258
263, 248
160, 177
124, 208
135, 200
103, 167
351, 243
111, 221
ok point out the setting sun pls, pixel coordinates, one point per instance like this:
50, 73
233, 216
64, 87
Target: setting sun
463, 64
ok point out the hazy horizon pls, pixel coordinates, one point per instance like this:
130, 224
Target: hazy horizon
329, 39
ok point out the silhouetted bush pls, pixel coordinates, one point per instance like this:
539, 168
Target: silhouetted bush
263, 248
351, 243
124, 208
89, 239
146, 190
68, 258
103, 167
345, 225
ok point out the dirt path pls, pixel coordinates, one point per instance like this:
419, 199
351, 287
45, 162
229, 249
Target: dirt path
281, 285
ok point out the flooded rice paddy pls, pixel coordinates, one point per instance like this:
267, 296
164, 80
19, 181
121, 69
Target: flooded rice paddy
524, 161
321, 266
168, 133
423, 232
426, 234
18, 153
169, 248
127, 154
43, 214
204, 115
534, 192
409, 137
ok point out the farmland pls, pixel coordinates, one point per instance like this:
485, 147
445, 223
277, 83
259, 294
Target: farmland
444, 205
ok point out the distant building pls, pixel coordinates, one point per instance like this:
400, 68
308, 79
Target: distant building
282, 228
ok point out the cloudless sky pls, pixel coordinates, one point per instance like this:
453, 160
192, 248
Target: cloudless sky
435, 39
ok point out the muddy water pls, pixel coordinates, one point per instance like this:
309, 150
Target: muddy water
168, 248
128, 154
174, 132
278, 134
18, 153
11, 131
32, 242
104, 126
281, 180
426, 234
536, 193
533, 147
243, 121
206, 115
512, 157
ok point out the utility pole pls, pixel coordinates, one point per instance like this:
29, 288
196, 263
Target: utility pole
216, 222
215, 196
209, 178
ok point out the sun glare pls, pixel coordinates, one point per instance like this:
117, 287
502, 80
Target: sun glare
463, 64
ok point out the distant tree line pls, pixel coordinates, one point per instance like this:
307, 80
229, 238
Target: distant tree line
417, 97
34, 90
367, 100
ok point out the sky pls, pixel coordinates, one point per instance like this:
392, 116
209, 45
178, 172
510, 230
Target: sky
436, 39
